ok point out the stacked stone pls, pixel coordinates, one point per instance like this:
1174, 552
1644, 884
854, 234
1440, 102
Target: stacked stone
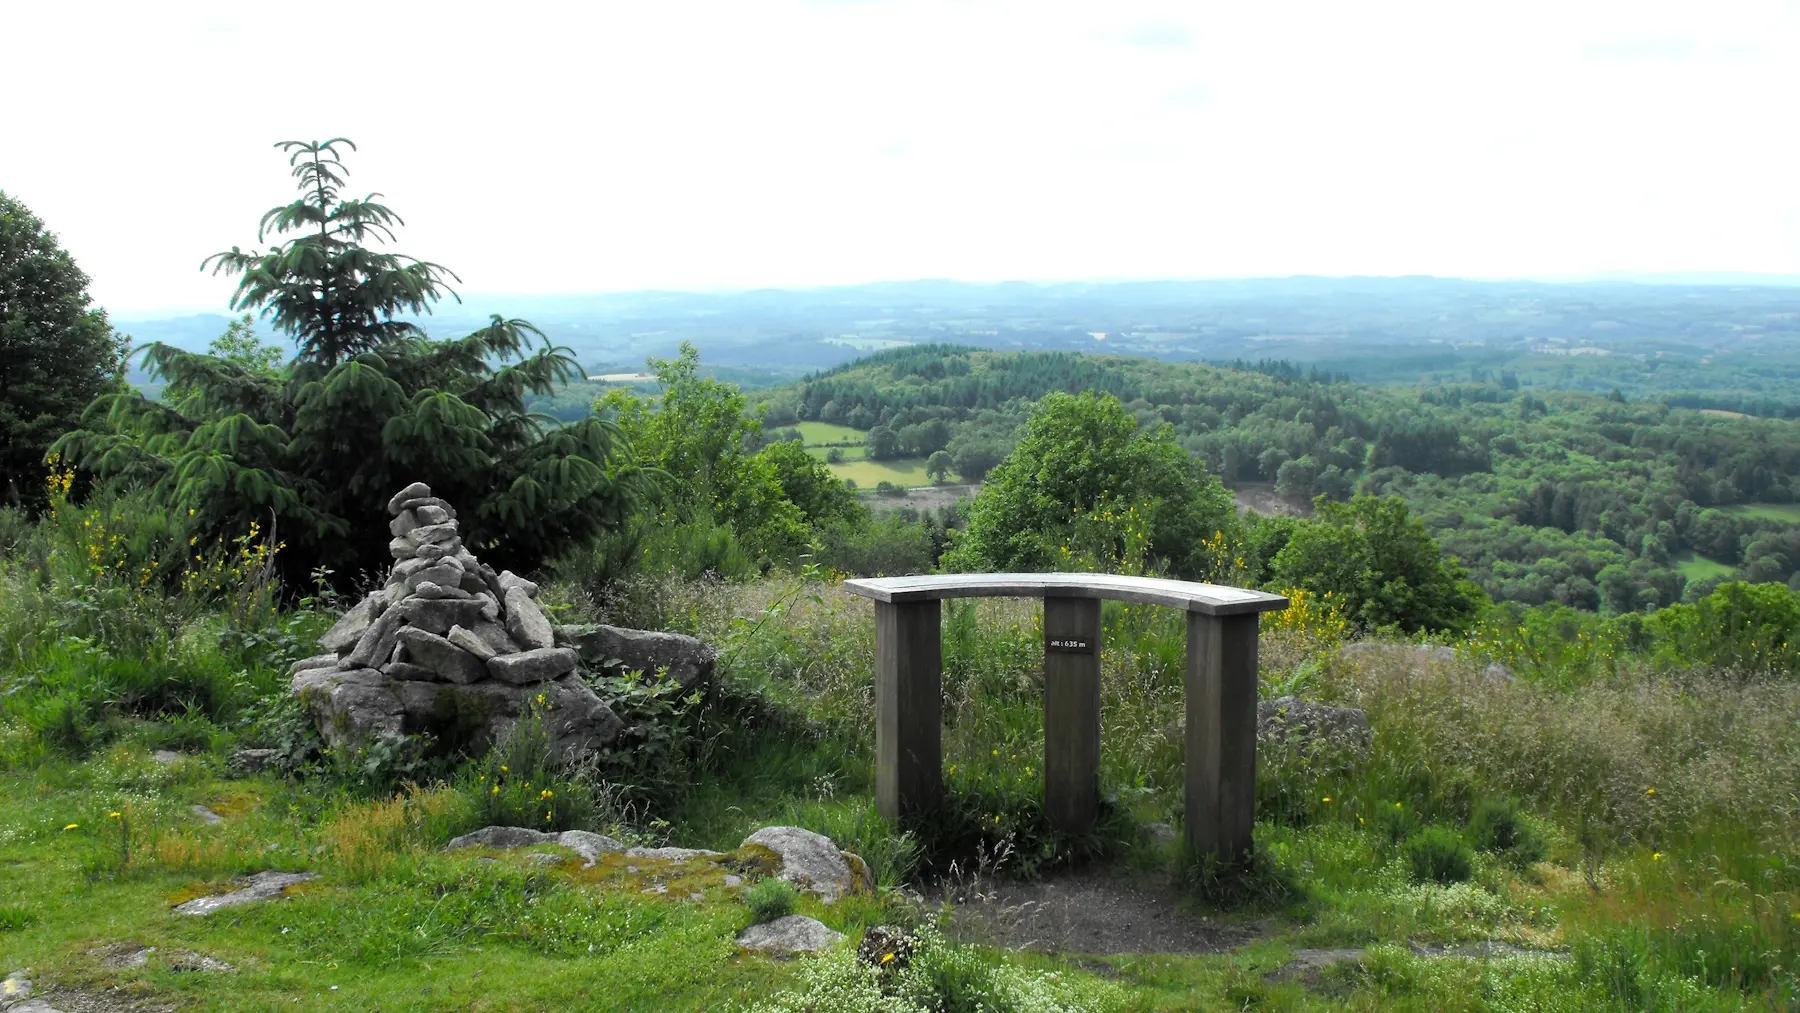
446, 640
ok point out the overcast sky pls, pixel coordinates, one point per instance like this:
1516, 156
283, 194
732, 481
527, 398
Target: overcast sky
615, 146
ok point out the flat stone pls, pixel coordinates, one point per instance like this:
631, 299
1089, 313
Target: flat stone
809, 860
16, 987
532, 666
433, 550
262, 886
167, 757
490, 606
406, 671
429, 501
403, 522
525, 621
437, 615
426, 589
417, 490
189, 961
471, 643
444, 572
350, 627
432, 513
449, 661
507, 580
687, 660
206, 816
400, 548
426, 533
316, 661
375, 645
406, 568
790, 935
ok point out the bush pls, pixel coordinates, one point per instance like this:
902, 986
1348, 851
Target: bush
1438, 854
1499, 827
770, 899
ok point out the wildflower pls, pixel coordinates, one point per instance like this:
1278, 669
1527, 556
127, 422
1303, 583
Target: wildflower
995, 753
1656, 856
496, 789
1649, 791
1326, 800
503, 769
1396, 805
113, 816
953, 768
540, 697
71, 826
1361, 822
546, 794
888, 958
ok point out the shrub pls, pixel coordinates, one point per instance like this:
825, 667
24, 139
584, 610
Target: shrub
770, 899
1438, 854
1500, 827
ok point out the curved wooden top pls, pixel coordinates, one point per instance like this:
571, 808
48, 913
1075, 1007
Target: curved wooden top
1206, 599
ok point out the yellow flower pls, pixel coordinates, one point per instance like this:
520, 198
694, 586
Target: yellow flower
1656, 856
113, 816
1326, 800
71, 826
546, 793
503, 769
496, 789
540, 699
1649, 791
1361, 822
995, 753
1396, 805
888, 958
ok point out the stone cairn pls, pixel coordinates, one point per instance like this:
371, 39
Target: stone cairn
451, 647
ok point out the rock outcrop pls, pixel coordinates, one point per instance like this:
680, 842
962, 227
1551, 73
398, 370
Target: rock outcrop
1289, 721
449, 647
793, 934
812, 862
686, 660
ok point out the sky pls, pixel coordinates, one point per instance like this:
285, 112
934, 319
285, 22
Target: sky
538, 148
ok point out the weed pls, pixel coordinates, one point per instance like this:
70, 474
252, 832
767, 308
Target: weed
1439, 855
1501, 827
771, 898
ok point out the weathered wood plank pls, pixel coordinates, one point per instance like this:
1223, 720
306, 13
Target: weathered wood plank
1221, 734
1207, 599
908, 707
1072, 712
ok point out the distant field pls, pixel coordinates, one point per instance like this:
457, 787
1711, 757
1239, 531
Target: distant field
1789, 512
817, 433
902, 471
849, 453
1698, 567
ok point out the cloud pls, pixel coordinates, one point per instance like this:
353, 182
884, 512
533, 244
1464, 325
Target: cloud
1160, 35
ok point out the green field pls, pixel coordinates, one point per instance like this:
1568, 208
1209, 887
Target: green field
902, 471
820, 433
1788, 512
849, 453
1694, 567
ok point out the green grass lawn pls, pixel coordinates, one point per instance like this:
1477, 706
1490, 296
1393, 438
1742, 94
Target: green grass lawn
1786, 512
1694, 567
820, 433
905, 472
847, 453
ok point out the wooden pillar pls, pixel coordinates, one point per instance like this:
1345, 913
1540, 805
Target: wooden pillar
909, 720
1221, 734
1072, 712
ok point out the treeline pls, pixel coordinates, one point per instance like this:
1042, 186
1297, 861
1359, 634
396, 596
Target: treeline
1587, 500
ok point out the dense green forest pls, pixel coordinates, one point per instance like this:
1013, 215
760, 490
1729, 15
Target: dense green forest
1595, 501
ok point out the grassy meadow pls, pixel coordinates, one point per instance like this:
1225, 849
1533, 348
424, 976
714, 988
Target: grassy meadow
1626, 829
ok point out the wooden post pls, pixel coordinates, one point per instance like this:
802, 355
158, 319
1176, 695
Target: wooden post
1221, 734
1072, 712
909, 749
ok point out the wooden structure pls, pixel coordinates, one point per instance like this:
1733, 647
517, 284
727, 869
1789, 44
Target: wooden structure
1221, 692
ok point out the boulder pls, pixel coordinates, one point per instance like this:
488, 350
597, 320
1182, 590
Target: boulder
449, 661
687, 659
316, 661
1288, 721
532, 666
507, 580
478, 714
246, 762
788, 936
526, 622
810, 861
671, 854
350, 707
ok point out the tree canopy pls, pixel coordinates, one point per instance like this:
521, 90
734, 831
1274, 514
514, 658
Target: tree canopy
1087, 480
369, 405
57, 353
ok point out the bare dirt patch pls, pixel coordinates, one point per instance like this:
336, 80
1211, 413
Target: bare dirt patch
1260, 497
927, 497
1090, 913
